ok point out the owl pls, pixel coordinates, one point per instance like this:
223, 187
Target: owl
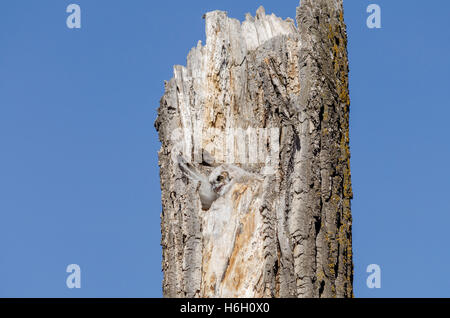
211, 187
205, 188
218, 183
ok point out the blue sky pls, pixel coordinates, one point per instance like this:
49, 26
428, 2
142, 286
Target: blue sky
79, 181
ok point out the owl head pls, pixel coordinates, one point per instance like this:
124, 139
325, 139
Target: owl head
219, 180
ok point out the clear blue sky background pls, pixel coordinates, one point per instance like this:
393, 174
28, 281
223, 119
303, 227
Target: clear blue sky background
79, 181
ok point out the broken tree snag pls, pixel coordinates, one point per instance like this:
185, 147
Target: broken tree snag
255, 161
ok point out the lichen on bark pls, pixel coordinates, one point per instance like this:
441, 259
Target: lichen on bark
282, 228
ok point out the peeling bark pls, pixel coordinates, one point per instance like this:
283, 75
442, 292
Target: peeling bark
260, 114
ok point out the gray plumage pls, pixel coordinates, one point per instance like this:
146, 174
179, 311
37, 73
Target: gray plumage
218, 183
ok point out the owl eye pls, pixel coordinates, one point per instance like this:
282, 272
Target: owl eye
219, 178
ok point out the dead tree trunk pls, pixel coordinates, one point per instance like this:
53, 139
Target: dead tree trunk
255, 161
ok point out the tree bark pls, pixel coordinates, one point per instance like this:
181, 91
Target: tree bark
260, 115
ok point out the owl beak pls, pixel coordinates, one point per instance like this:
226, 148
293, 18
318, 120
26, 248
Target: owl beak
217, 188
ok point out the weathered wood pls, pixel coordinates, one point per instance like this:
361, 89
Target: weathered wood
255, 161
